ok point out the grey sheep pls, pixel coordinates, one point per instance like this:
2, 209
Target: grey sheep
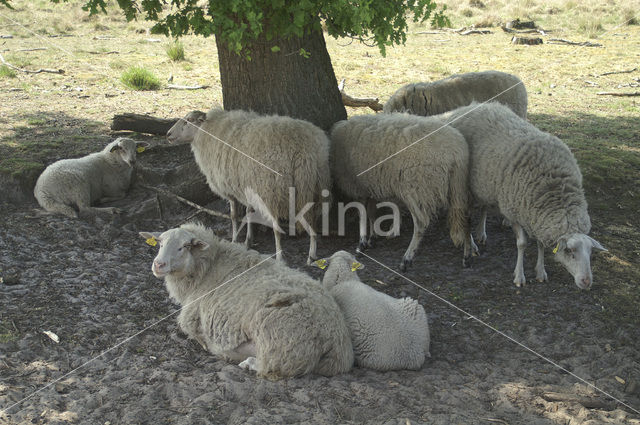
460, 90
416, 160
249, 308
386, 333
535, 182
72, 186
261, 162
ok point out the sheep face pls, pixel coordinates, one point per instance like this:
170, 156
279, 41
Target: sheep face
574, 253
124, 149
176, 256
185, 130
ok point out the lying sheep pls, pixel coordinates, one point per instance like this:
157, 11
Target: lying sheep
249, 308
460, 90
72, 186
386, 333
255, 160
415, 160
534, 180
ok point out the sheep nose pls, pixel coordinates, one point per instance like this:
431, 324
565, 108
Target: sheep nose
158, 265
586, 282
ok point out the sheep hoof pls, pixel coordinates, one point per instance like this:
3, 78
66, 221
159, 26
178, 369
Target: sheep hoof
466, 262
405, 264
542, 278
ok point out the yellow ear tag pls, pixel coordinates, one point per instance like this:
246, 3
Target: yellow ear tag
322, 263
140, 149
152, 241
556, 248
355, 266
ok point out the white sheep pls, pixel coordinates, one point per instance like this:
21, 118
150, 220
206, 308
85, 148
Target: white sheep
241, 154
460, 90
248, 308
534, 180
416, 160
386, 333
72, 186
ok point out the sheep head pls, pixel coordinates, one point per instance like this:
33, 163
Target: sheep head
177, 254
339, 267
573, 251
125, 149
185, 130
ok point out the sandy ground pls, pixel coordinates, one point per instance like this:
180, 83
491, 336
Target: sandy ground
122, 360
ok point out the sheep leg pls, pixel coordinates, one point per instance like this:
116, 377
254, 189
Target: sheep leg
101, 212
541, 274
363, 244
250, 363
470, 249
233, 213
276, 236
521, 243
481, 229
418, 233
313, 245
62, 209
248, 241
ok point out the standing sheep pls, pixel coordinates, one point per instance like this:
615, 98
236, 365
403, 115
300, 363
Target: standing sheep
460, 90
71, 186
255, 160
534, 181
386, 333
418, 161
249, 308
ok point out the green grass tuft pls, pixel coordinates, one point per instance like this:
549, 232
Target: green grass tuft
138, 78
591, 27
6, 72
175, 51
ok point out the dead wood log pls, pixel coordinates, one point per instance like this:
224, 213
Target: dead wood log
588, 402
28, 71
474, 31
186, 201
356, 102
142, 123
573, 43
6, 36
614, 93
179, 87
531, 31
517, 24
530, 41
628, 71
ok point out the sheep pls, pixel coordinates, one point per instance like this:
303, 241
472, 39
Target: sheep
416, 160
249, 308
386, 333
460, 90
72, 186
256, 161
534, 180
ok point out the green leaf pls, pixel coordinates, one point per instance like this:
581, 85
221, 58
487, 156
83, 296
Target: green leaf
275, 49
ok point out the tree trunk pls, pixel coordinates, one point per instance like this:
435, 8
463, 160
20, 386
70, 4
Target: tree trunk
283, 82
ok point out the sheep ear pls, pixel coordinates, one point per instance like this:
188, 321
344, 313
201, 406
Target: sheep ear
199, 244
151, 238
561, 245
597, 245
356, 266
141, 146
321, 263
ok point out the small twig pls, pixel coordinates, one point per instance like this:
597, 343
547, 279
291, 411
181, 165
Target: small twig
356, 102
160, 212
60, 35
628, 71
613, 93
31, 50
573, 43
6, 36
186, 201
51, 71
112, 52
588, 402
179, 87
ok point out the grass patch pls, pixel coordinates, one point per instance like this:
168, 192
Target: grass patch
139, 78
6, 72
591, 27
175, 51
7, 333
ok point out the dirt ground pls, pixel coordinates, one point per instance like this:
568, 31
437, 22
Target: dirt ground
121, 358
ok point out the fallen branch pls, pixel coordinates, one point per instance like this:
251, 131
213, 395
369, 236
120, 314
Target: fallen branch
531, 31
573, 43
628, 71
6, 36
186, 201
588, 402
112, 52
614, 93
50, 71
429, 32
357, 102
142, 123
472, 31
179, 87
31, 50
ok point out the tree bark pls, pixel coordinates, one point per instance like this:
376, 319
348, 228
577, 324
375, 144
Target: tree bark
283, 82
142, 123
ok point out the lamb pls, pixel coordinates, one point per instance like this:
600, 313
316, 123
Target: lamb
534, 180
249, 308
261, 161
72, 186
386, 333
460, 90
416, 160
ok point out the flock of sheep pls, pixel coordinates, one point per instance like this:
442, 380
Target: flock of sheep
433, 148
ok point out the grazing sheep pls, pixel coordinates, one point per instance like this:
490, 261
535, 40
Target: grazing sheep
71, 186
415, 160
241, 154
534, 180
386, 333
460, 90
249, 308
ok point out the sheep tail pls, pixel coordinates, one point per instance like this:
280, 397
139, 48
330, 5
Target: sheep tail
458, 216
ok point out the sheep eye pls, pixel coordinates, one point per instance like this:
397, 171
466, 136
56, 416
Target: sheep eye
568, 251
